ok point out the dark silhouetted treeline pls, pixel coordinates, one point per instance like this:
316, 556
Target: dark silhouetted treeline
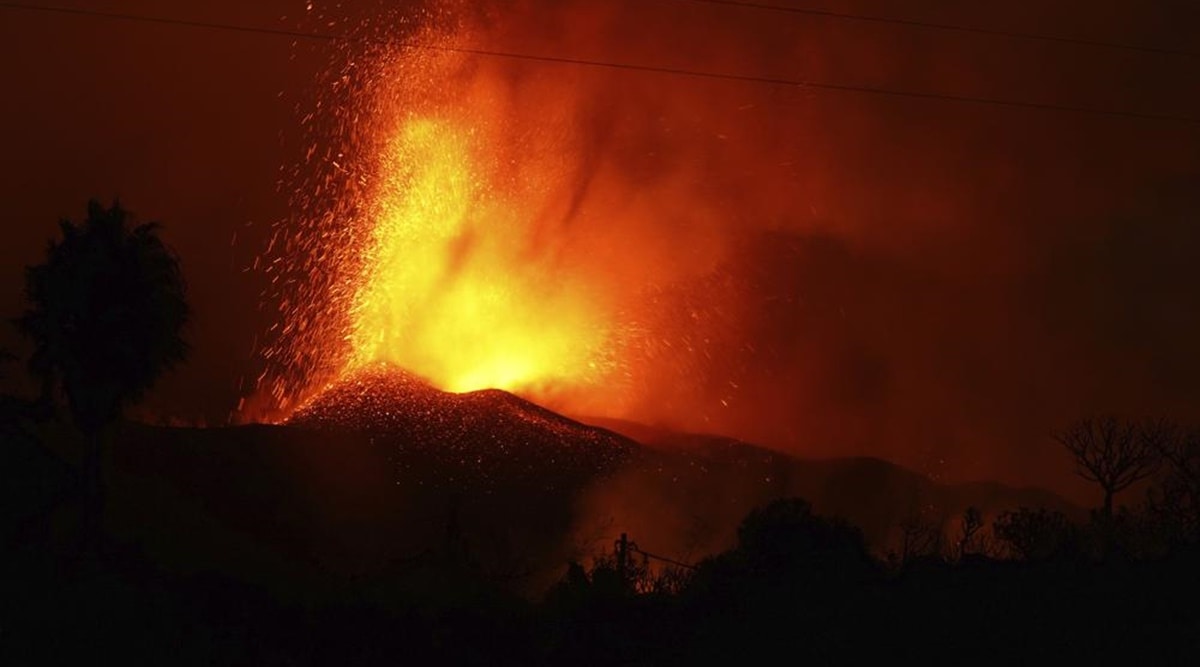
106, 315
796, 584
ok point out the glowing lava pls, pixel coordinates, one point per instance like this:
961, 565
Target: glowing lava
485, 223
451, 287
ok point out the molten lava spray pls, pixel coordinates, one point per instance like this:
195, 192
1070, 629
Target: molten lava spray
486, 223
824, 272
453, 286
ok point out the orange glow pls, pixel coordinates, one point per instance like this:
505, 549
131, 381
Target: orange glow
449, 290
484, 223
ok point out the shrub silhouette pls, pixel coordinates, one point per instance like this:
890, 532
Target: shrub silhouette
784, 548
786, 534
1036, 534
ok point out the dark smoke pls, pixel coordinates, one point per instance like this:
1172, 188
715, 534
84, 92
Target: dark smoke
832, 273
935, 282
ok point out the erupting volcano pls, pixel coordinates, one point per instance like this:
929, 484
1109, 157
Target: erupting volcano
699, 254
485, 224
442, 231
453, 288
600, 331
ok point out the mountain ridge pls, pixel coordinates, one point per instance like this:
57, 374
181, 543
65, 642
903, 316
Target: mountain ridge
361, 480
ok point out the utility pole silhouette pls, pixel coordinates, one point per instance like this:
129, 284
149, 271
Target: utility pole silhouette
624, 547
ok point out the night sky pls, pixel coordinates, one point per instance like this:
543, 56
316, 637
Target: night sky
959, 279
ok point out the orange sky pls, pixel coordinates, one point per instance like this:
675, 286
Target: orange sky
936, 283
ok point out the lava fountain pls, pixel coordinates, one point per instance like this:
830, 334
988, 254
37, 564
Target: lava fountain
426, 238
452, 287
484, 222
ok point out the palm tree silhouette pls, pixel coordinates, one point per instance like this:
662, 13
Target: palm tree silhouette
106, 314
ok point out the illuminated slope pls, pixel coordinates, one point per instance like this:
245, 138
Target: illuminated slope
476, 436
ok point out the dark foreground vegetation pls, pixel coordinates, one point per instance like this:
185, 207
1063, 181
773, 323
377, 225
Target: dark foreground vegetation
105, 318
1026, 584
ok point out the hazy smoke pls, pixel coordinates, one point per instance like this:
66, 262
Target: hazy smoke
938, 283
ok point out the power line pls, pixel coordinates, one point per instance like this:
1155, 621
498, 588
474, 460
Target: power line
951, 27
634, 67
162, 20
669, 561
623, 546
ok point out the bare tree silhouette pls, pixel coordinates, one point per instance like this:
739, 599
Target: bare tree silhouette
969, 538
1111, 453
920, 537
106, 313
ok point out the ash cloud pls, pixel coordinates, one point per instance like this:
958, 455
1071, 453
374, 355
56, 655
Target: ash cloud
830, 273
852, 274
